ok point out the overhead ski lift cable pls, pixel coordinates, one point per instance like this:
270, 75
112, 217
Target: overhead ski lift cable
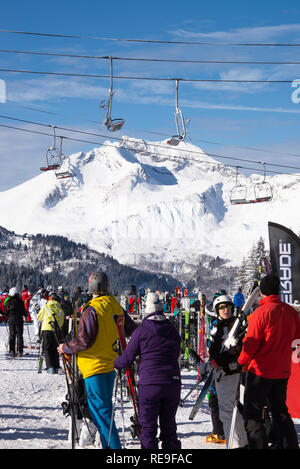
151, 59
152, 153
153, 41
124, 77
44, 111
246, 160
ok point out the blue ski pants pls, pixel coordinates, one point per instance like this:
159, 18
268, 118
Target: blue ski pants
99, 390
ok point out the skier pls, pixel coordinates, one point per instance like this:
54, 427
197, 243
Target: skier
238, 300
157, 343
94, 345
34, 308
226, 369
26, 297
47, 312
15, 311
77, 297
3, 296
266, 352
217, 435
68, 313
60, 293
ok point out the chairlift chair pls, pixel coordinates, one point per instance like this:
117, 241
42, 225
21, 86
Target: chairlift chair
263, 190
53, 158
62, 174
238, 194
112, 124
180, 124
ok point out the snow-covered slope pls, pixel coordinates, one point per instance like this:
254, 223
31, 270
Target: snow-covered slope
141, 201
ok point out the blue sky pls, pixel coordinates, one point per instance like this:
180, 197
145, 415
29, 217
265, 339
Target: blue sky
233, 115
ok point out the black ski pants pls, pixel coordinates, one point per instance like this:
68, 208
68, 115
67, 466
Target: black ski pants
50, 349
258, 392
15, 334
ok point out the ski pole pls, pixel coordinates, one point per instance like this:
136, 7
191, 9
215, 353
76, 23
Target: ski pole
122, 412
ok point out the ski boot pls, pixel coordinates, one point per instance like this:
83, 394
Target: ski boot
212, 438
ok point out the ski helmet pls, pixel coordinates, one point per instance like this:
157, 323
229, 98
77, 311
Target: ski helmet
13, 291
222, 299
98, 283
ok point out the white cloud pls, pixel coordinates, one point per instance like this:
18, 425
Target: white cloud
250, 34
45, 89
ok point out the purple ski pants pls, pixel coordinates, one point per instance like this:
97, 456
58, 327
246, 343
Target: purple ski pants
159, 403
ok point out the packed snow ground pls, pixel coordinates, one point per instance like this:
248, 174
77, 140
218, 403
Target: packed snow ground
31, 415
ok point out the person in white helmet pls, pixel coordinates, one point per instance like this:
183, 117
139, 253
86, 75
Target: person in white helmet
226, 379
16, 313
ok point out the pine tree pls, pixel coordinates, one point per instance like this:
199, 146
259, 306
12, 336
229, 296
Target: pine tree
252, 267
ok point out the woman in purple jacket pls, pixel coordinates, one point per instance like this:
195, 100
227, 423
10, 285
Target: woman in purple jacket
157, 342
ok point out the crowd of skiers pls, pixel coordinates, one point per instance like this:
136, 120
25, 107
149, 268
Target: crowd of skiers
261, 354
20, 307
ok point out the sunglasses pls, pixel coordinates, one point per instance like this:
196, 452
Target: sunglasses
229, 307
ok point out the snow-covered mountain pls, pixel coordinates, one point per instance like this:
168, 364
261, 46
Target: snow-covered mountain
150, 205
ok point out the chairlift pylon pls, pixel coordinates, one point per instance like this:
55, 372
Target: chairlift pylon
111, 124
53, 159
180, 124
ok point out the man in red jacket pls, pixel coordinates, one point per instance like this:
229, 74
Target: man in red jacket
267, 351
26, 297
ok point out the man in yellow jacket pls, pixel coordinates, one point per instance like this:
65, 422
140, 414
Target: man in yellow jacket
95, 349
46, 315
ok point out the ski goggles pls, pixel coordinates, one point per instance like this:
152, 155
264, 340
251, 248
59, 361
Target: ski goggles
229, 307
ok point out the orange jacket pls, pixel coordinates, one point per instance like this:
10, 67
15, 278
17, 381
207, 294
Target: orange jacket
267, 346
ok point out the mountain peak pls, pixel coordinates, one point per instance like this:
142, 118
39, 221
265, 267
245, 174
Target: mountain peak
136, 198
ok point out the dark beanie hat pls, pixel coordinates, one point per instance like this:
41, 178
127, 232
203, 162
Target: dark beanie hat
269, 285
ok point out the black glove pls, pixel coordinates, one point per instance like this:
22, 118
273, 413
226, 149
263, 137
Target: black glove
232, 368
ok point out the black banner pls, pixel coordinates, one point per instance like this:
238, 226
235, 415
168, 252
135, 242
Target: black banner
285, 260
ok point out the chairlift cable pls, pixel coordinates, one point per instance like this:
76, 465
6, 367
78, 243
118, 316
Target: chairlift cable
124, 77
31, 108
153, 153
151, 59
152, 144
151, 41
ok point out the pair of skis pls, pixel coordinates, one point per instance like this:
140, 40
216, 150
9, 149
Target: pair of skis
71, 374
229, 342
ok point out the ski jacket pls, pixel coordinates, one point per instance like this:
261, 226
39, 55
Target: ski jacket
26, 297
219, 334
3, 297
97, 335
67, 307
267, 346
157, 342
14, 309
47, 312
